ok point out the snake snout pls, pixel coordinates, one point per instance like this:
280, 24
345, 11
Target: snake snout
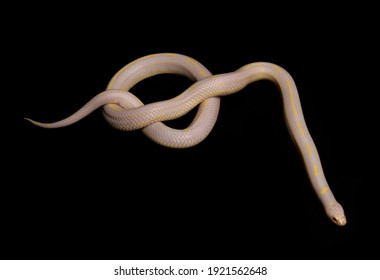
340, 221
336, 214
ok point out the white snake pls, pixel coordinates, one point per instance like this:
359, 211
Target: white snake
124, 111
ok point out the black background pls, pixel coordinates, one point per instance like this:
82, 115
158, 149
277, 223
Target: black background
88, 191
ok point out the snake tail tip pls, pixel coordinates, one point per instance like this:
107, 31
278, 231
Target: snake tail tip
45, 125
32, 121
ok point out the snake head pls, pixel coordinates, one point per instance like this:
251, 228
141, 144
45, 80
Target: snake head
336, 213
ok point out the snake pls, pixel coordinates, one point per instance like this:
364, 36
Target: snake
124, 111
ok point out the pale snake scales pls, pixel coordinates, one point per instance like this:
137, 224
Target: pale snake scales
124, 111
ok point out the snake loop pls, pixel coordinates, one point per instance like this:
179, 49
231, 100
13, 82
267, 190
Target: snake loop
124, 111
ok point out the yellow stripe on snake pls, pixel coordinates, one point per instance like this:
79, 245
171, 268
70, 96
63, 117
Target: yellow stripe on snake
124, 111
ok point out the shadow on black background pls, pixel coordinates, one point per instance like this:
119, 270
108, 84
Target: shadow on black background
88, 191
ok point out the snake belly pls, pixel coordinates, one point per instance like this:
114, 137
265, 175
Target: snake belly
124, 111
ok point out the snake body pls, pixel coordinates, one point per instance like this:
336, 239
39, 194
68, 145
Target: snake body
124, 111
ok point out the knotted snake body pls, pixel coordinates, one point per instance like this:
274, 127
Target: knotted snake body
124, 111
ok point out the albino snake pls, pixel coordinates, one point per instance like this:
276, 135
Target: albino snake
124, 111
